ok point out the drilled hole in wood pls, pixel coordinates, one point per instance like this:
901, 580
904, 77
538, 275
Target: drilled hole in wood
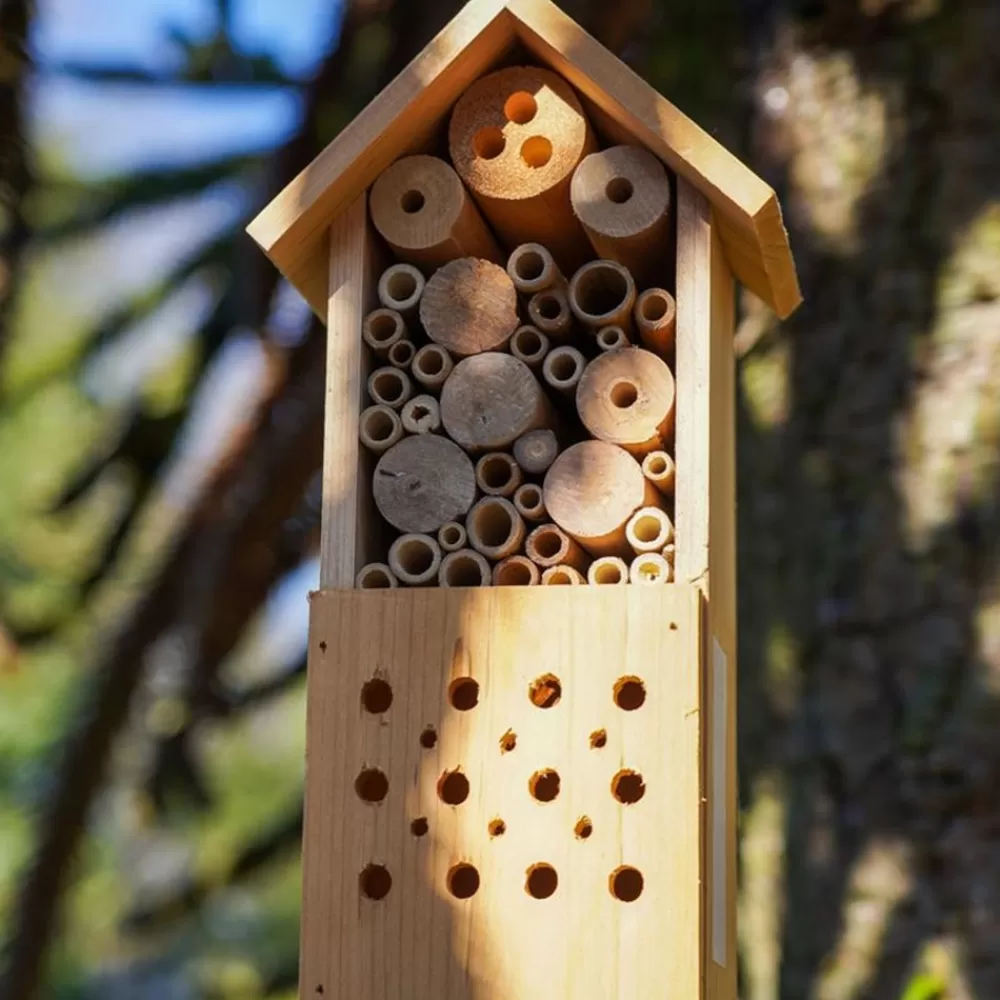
619, 190
544, 785
541, 881
598, 739
626, 883
629, 693
419, 827
584, 828
371, 785
520, 107
673, 626
536, 151
375, 881
429, 738
623, 394
412, 202
488, 143
545, 691
628, 787
508, 741
463, 880
463, 693
376, 696
453, 788
497, 827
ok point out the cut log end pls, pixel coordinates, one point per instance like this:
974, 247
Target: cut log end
536, 451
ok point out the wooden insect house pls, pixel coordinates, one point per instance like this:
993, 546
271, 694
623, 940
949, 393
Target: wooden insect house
521, 779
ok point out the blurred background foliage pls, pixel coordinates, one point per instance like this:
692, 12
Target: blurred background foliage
160, 414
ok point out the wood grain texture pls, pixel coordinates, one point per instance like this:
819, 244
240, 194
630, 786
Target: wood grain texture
421, 943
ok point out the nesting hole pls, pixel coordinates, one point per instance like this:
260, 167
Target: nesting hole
545, 691
565, 367
429, 738
412, 202
619, 190
536, 151
375, 578
419, 827
401, 285
388, 385
451, 534
375, 881
608, 573
489, 143
379, 425
549, 306
531, 498
430, 363
520, 107
650, 569
383, 327
584, 828
601, 290
628, 787
623, 394
494, 525
376, 695
529, 343
415, 556
626, 883
514, 574
401, 353
496, 471
419, 412
497, 827
648, 528
610, 337
548, 543
529, 265
371, 785
629, 693
541, 881
463, 880
453, 788
598, 739
508, 741
463, 693
653, 308
463, 572
657, 465
544, 785
560, 577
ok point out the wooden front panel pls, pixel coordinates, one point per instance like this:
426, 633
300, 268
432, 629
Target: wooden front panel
482, 650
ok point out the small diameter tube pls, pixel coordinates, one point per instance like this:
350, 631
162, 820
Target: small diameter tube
431, 366
607, 570
451, 536
536, 450
658, 468
495, 528
529, 502
464, 568
610, 338
563, 369
650, 567
421, 415
656, 320
549, 545
602, 293
389, 387
516, 571
401, 354
400, 288
375, 576
556, 576
379, 428
669, 553
532, 269
530, 346
415, 559
383, 328
648, 530
549, 311
497, 474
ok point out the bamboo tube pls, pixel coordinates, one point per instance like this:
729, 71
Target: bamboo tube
516, 571
389, 387
656, 320
533, 269
650, 567
530, 345
401, 354
495, 528
431, 366
602, 293
423, 481
515, 138
379, 428
550, 312
536, 451
490, 400
381, 329
401, 288
648, 530
591, 491
451, 536
375, 576
563, 369
464, 568
622, 197
498, 475
610, 338
469, 306
415, 559
627, 397
549, 545
669, 553
528, 502
423, 212
556, 576
658, 467
421, 415
607, 570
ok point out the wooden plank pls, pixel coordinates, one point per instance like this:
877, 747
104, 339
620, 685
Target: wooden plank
420, 942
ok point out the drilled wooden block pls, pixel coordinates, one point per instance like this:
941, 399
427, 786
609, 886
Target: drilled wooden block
504, 795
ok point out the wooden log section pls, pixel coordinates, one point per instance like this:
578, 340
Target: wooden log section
648, 530
608, 570
658, 467
381, 329
622, 197
421, 482
379, 428
561, 576
490, 400
431, 367
528, 502
515, 138
533, 269
550, 312
452, 537
498, 475
602, 293
421, 415
536, 451
548, 545
530, 345
495, 528
516, 571
401, 354
650, 567
656, 320
415, 559
626, 397
469, 306
376, 576
563, 368
423, 212
464, 568
401, 288
591, 491
610, 338
389, 387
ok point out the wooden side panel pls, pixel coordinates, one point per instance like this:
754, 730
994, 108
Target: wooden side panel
420, 942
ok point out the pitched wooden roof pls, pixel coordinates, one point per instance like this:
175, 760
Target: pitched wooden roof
403, 118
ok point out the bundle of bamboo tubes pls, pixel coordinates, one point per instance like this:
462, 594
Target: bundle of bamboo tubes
521, 392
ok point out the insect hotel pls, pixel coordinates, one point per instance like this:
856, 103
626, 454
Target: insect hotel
521, 775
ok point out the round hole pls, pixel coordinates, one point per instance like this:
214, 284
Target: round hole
415, 556
430, 363
419, 412
383, 327
451, 534
376, 696
497, 827
584, 828
629, 693
545, 691
488, 143
401, 353
453, 788
623, 395
530, 265
608, 573
544, 785
619, 190
548, 544
429, 738
598, 739
541, 881
493, 524
463, 693
464, 572
647, 529
513, 574
371, 785
375, 881
379, 426
657, 465
559, 577
564, 367
401, 286
463, 881
520, 107
412, 202
626, 883
419, 827
536, 151
649, 569
628, 787
508, 741
529, 343
549, 307
601, 290
496, 472
531, 497
654, 308
389, 386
